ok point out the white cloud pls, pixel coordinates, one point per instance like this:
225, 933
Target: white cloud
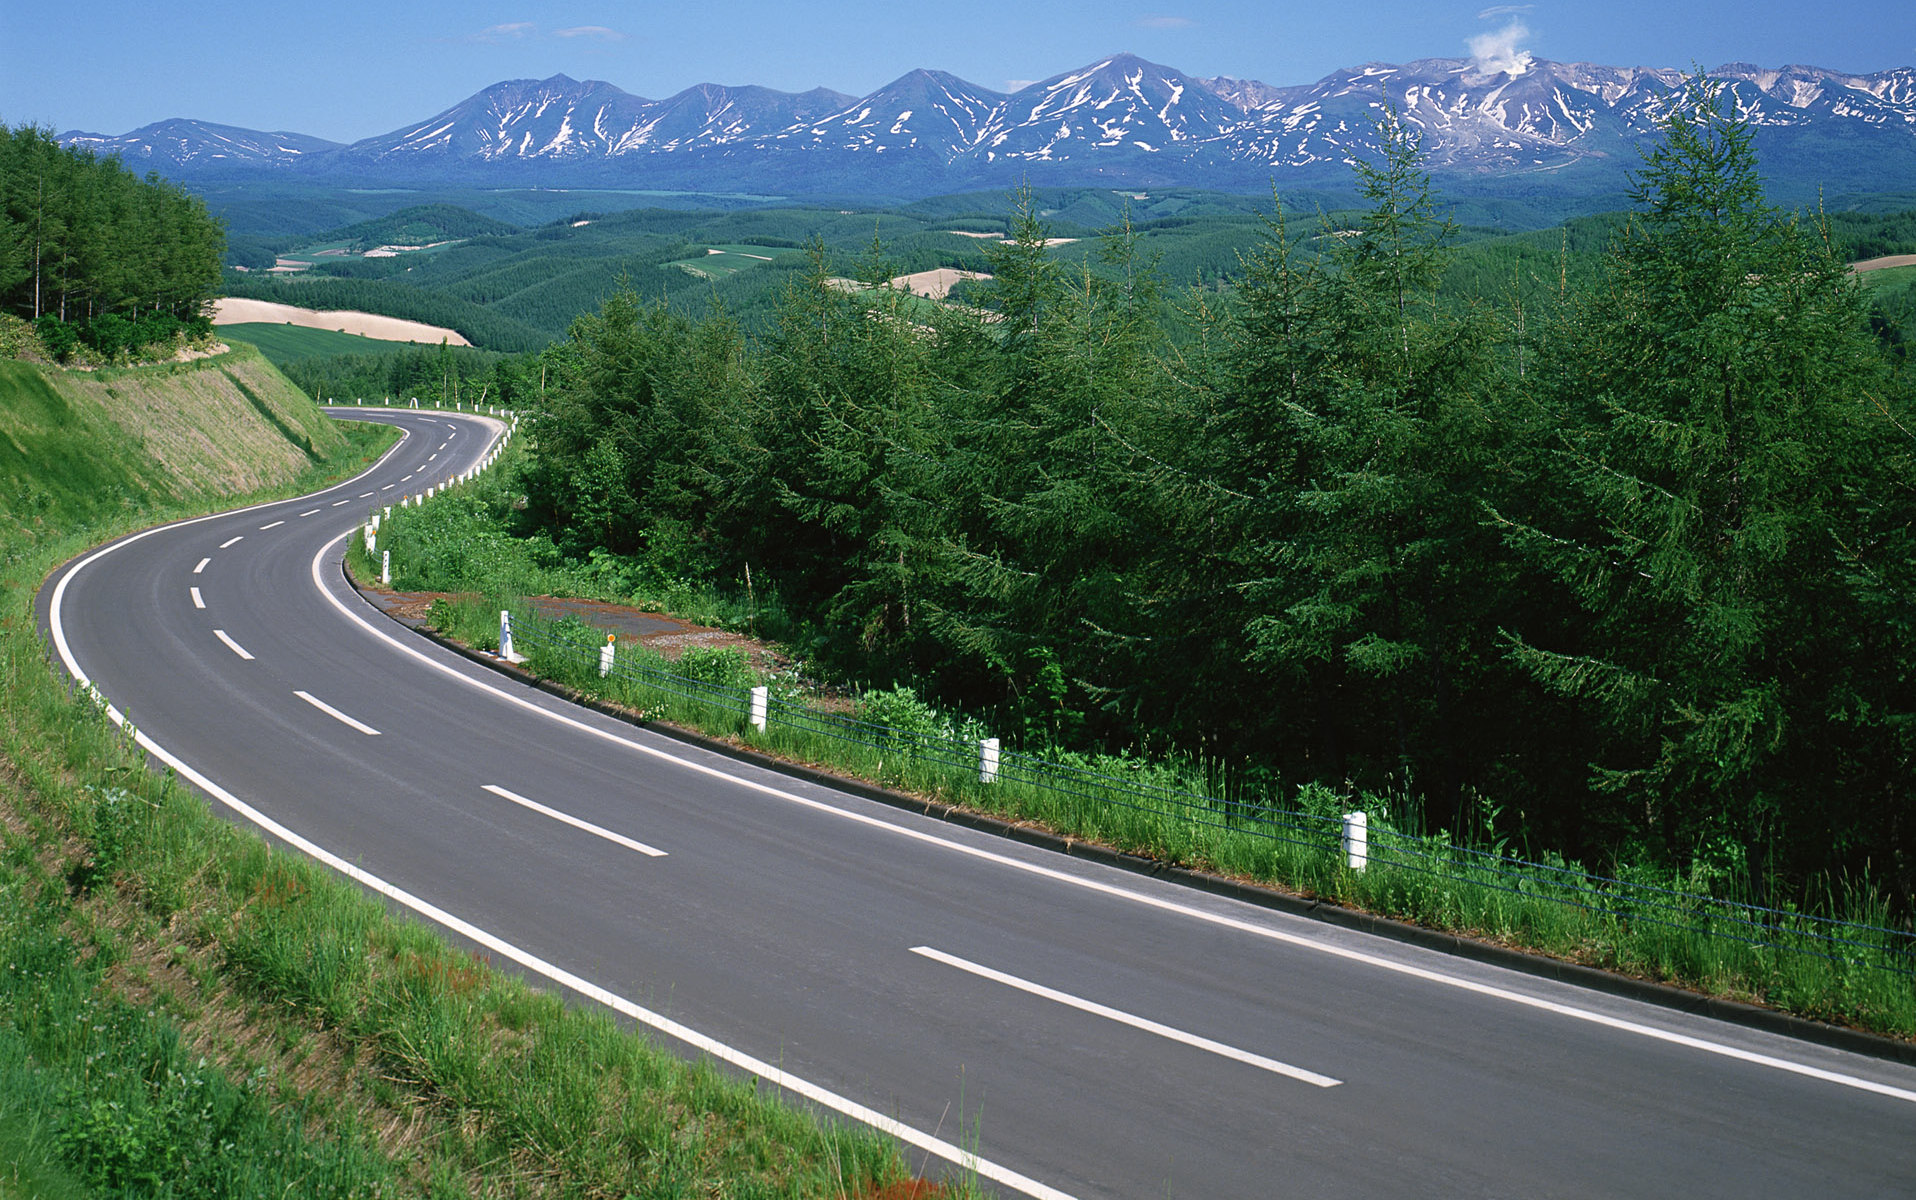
494, 34
1018, 85
1155, 22
1499, 52
596, 32
1504, 10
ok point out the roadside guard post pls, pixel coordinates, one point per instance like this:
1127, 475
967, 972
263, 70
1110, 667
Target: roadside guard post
606, 654
1356, 840
761, 706
988, 760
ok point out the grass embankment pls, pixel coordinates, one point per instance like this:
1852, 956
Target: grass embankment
1649, 923
185, 1011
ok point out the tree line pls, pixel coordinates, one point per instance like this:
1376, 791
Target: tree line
92, 253
1622, 567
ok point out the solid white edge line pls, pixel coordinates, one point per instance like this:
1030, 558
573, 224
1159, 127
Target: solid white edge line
230, 541
965, 1159
1091, 885
576, 823
232, 645
1124, 1018
334, 713
201, 565
198, 601
273, 525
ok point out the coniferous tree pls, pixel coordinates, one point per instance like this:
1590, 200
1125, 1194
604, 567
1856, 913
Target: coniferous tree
1714, 395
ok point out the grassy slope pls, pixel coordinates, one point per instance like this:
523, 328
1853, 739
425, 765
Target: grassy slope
93, 444
185, 1011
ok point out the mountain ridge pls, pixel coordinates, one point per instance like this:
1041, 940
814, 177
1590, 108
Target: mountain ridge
1121, 120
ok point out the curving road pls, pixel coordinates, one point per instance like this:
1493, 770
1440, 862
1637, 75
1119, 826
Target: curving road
1089, 1031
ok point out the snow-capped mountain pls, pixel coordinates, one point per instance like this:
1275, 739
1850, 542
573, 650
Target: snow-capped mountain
922, 112
1548, 115
562, 120
181, 146
1109, 113
1119, 121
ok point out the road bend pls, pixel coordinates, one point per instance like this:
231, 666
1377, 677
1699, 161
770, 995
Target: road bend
1061, 1028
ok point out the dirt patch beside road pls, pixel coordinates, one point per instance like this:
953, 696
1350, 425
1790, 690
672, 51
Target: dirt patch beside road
667, 636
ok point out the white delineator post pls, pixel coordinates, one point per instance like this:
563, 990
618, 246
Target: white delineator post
1356, 840
606, 654
761, 707
988, 761
505, 636
386, 567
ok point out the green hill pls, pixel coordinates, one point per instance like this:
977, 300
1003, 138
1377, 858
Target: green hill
83, 446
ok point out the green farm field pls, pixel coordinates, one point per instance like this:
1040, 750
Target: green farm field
289, 343
722, 262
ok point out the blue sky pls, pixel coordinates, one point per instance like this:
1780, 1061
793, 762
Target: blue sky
347, 69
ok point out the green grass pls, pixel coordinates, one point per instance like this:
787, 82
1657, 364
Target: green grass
187, 1012
722, 262
290, 343
457, 543
1889, 278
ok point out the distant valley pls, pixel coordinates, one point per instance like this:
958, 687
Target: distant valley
1521, 127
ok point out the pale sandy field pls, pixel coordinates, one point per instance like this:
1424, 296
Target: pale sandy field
935, 285
230, 311
1884, 263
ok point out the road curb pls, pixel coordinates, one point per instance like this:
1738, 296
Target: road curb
1264, 896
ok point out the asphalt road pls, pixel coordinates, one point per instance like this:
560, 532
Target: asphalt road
1088, 1032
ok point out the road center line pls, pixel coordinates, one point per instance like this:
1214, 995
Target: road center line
202, 565
433, 455
1268, 933
274, 525
336, 715
309, 512
363, 495
1125, 1018
576, 823
337, 503
387, 488
197, 601
404, 478
232, 645
230, 541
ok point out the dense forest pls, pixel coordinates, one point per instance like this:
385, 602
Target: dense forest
1618, 563
92, 253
